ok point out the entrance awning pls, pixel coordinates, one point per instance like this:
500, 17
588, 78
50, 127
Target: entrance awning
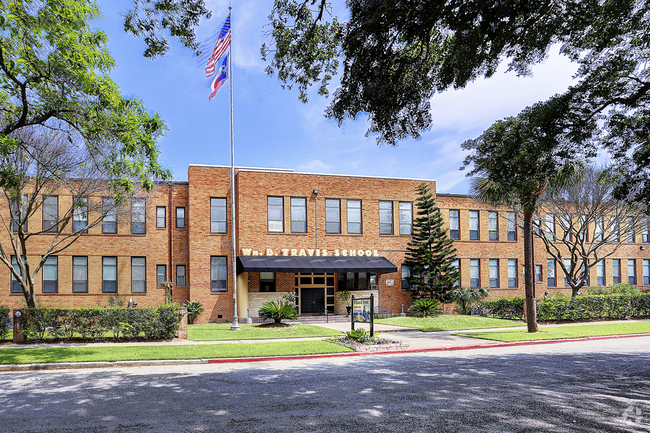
313, 264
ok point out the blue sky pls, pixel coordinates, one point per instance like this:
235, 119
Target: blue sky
274, 129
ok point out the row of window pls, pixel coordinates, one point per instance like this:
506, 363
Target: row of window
109, 223
474, 231
353, 209
50, 275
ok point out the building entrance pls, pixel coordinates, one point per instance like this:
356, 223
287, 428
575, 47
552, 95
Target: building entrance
315, 293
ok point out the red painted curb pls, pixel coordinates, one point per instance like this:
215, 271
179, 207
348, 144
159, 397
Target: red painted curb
420, 350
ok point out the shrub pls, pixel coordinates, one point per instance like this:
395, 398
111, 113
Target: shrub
505, 308
425, 307
623, 288
5, 320
194, 308
278, 311
465, 297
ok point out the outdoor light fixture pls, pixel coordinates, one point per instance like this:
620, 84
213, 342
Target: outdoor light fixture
642, 248
316, 191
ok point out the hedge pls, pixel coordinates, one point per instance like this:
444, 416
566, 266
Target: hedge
615, 306
4, 322
154, 323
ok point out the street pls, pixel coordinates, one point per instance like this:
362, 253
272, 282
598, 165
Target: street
593, 386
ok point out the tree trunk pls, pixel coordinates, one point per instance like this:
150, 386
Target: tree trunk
529, 273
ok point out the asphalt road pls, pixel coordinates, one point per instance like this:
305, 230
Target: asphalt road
596, 386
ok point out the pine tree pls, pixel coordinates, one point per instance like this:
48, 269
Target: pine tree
430, 253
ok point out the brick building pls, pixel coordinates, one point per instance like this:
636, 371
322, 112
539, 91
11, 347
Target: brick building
308, 234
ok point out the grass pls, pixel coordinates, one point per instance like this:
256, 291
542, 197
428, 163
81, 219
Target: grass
450, 322
135, 353
222, 332
566, 331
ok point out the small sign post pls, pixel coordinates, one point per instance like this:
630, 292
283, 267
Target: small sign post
363, 312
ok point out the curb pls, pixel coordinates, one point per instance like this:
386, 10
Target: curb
154, 363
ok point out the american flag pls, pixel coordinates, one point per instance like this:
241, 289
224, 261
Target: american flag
212, 53
221, 76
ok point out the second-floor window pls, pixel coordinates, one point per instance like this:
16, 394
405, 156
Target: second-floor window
385, 217
473, 225
218, 214
511, 224
80, 214
50, 213
109, 223
19, 214
354, 217
493, 225
161, 217
630, 230
405, 218
138, 216
550, 226
298, 215
180, 217
275, 214
454, 224
332, 215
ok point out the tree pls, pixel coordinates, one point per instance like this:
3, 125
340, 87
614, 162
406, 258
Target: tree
515, 161
430, 253
65, 182
398, 54
54, 73
590, 220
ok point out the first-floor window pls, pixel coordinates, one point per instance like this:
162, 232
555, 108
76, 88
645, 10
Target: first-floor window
180, 275
550, 272
80, 274
161, 274
631, 271
616, 271
359, 280
267, 281
51, 275
406, 274
15, 285
646, 272
138, 275
218, 274
474, 273
567, 266
494, 273
109, 274
600, 273
512, 272
538, 273
456, 264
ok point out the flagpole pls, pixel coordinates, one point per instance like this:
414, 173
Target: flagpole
235, 320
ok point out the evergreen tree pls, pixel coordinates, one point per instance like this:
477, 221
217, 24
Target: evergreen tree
430, 253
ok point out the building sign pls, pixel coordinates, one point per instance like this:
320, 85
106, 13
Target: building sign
362, 312
309, 252
390, 282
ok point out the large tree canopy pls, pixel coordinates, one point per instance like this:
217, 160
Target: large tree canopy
397, 54
54, 73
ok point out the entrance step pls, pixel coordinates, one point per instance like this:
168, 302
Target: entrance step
324, 319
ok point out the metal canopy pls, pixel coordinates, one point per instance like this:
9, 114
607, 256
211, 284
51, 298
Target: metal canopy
302, 264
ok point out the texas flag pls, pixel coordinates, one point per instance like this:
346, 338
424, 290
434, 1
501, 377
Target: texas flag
220, 77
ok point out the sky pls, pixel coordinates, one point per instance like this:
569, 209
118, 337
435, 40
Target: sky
273, 129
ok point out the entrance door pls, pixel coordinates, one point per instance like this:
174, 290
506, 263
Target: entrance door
312, 300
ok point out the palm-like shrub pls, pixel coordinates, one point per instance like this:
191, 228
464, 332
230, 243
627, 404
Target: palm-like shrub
425, 307
278, 311
465, 297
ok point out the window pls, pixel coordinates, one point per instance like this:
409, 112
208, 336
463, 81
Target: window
138, 216
550, 226
218, 274
600, 273
566, 224
511, 218
567, 266
473, 225
583, 230
616, 271
275, 214
161, 274
550, 272
630, 230
631, 271
494, 273
493, 226
109, 223
267, 281
512, 272
456, 264
406, 274
218, 215
180, 275
15, 285
180, 217
616, 232
646, 272
109, 274
79, 274
80, 214
454, 224
405, 218
354, 217
298, 215
50, 213
537, 224
360, 280
18, 217
161, 217
644, 234
138, 275
538, 273
599, 230
385, 217
474, 273
51, 275
332, 215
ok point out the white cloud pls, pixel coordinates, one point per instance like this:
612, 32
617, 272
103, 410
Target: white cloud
314, 166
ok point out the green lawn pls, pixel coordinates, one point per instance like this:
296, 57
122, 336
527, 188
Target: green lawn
567, 331
450, 322
222, 332
198, 351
